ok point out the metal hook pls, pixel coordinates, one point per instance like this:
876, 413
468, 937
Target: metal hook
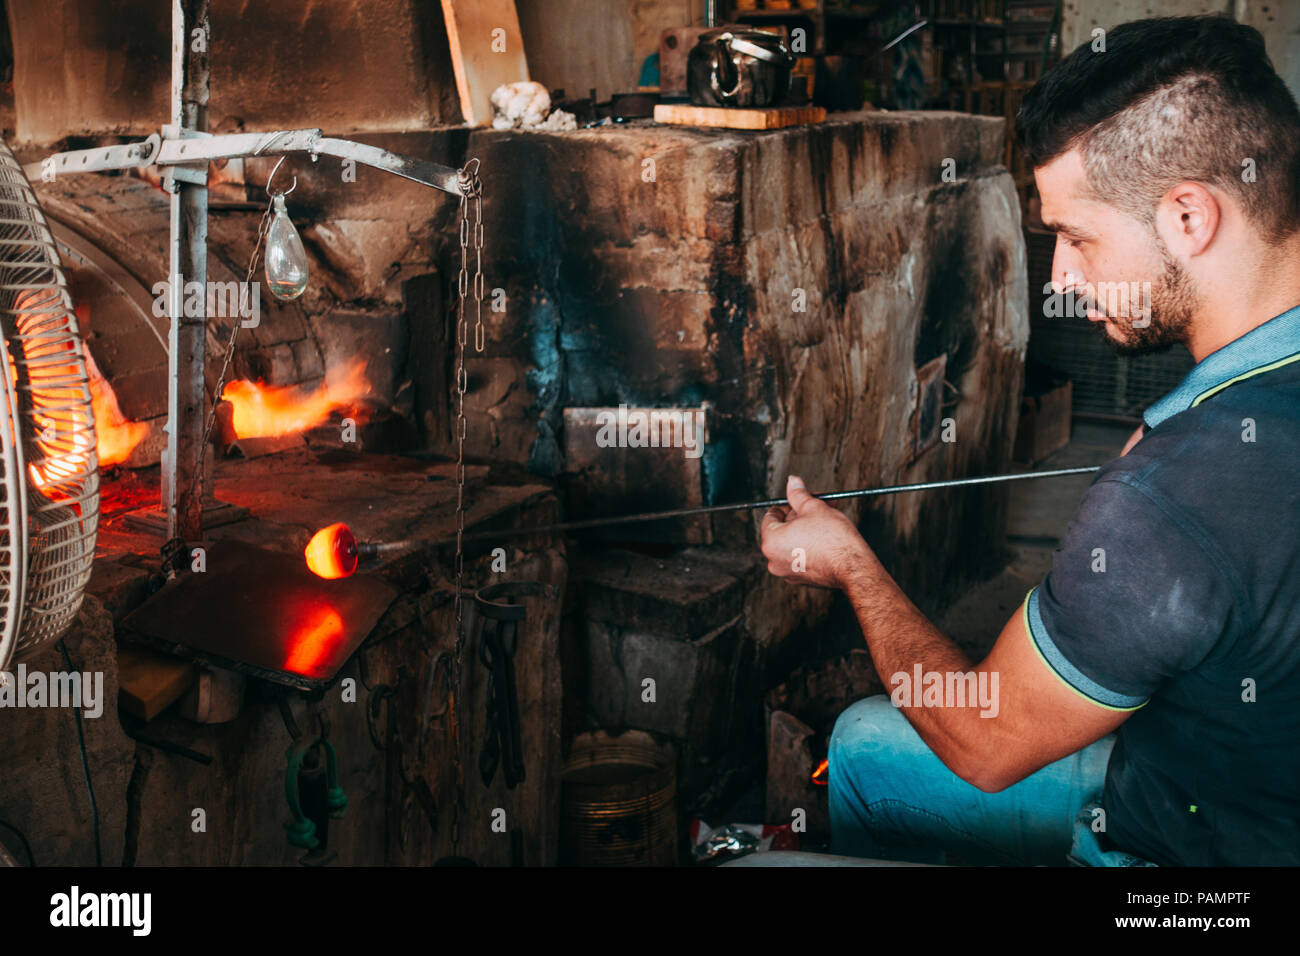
467, 179
271, 178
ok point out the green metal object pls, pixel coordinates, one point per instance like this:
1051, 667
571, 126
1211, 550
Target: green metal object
335, 798
301, 830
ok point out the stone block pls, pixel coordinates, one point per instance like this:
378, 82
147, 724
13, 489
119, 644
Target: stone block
790, 765
664, 683
676, 621
307, 359
687, 595
377, 339
628, 460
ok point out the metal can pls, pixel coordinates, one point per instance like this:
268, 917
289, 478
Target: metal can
735, 67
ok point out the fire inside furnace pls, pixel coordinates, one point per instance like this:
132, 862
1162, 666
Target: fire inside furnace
64, 436
116, 436
267, 411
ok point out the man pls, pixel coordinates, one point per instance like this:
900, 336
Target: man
1149, 688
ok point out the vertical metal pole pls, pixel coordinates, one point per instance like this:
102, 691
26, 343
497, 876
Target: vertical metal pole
188, 265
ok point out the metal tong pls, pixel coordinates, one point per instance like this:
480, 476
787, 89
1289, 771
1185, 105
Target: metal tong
497, 621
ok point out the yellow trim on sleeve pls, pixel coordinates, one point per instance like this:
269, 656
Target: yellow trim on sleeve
1029, 634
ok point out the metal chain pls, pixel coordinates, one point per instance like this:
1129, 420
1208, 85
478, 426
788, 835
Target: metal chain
195, 485
478, 270
470, 188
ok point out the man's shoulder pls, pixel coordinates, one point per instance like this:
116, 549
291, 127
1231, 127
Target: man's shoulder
1223, 414
1244, 440
1221, 478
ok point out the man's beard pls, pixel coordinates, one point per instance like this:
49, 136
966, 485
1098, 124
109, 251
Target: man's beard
1173, 303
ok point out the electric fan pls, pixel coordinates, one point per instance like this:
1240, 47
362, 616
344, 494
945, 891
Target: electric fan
49, 471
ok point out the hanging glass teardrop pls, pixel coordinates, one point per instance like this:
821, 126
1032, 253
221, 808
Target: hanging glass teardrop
286, 259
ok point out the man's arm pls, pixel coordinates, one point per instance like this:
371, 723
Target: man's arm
1133, 440
1038, 718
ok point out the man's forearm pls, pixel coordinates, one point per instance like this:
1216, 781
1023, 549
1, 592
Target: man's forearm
899, 637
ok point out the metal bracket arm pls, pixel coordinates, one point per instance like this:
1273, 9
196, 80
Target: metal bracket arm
189, 149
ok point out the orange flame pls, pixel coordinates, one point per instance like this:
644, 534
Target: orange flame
115, 435
264, 411
332, 552
821, 776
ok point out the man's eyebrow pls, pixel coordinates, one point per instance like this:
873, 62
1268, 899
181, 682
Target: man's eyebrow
1055, 226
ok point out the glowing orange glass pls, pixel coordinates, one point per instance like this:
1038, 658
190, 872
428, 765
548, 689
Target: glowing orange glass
332, 552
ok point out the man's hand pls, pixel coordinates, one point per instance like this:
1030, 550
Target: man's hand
809, 542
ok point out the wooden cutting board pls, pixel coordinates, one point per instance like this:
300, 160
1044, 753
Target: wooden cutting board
487, 49
149, 682
776, 117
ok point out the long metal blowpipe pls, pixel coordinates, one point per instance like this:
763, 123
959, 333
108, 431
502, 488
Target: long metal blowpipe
334, 552
771, 503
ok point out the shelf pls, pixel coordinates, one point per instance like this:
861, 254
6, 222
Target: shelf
775, 14
830, 13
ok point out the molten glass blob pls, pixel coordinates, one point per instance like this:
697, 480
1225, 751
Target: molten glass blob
286, 260
332, 552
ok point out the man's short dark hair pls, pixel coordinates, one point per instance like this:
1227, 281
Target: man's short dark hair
1170, 100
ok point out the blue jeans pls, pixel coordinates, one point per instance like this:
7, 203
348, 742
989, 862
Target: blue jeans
892, 798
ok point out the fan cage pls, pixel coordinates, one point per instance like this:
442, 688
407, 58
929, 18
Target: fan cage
51, 424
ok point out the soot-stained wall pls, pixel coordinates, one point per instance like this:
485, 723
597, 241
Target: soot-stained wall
87, 67
794, 281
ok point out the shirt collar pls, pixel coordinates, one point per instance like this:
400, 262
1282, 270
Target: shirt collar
1268, 346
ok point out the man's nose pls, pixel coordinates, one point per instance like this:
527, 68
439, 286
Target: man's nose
1066, 274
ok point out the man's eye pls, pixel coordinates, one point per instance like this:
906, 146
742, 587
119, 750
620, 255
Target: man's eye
1072, 243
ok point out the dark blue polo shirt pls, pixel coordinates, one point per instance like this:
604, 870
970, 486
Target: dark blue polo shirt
1175, 594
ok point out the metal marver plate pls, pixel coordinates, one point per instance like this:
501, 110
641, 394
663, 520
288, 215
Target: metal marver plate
263, 613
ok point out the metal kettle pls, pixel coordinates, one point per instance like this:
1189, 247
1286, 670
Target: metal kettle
737, 67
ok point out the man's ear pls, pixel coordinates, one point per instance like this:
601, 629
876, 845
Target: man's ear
1188, 218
